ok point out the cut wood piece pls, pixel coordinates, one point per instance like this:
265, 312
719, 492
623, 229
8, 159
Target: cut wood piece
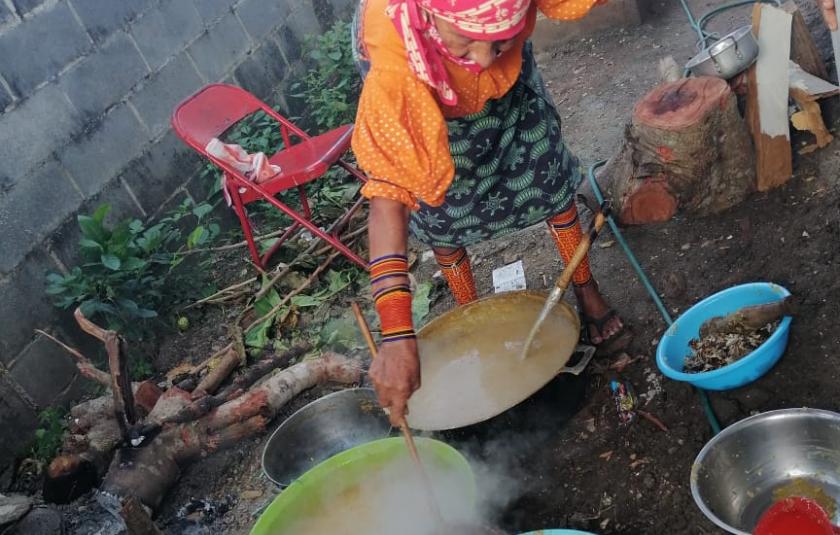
810, 119
124, 409
803, 50
260, 369
148, 472
686, 148
217, 371
816, 87
767, 97
85, 453
649, 201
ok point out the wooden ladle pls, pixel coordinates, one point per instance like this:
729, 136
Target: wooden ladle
566, 276
406, 432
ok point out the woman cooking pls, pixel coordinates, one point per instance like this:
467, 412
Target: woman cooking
462, 144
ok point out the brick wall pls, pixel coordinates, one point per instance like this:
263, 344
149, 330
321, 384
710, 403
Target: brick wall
86, 89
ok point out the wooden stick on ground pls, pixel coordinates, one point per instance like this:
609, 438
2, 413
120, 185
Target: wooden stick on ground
260, 369
124, 409
236, 245
238, 289
218, 372
274, 280
282, 303
86, 367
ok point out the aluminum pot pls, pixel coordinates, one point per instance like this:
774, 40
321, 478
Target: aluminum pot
730, 55
323, 428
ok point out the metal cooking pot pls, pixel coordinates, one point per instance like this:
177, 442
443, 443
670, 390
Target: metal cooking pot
321, 429
471, 365
732, 54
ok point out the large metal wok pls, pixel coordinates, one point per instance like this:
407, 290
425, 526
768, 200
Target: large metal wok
471, 359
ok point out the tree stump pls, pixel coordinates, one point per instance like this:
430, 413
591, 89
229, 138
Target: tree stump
687, 148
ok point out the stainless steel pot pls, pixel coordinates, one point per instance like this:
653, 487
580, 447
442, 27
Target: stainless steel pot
328, 425
732, 54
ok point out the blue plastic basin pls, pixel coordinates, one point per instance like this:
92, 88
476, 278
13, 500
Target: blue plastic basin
673, 348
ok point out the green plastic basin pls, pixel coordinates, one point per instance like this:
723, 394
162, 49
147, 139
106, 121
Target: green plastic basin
309, 494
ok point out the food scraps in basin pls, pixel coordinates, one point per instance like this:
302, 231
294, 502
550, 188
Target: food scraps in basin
726, 339
716, 350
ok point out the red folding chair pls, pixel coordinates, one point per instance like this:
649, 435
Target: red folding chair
215, 109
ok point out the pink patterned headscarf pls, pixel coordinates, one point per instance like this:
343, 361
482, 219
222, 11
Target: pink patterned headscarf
479, 19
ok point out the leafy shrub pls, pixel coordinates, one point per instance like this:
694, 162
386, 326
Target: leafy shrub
127, 268
48, 436
330, 89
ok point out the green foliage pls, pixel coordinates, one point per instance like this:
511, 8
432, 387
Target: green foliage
341, 333
421, 302
126, 269
260, 335
139, 368
48, 436
332, 85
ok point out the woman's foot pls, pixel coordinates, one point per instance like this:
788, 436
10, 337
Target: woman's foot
602, 322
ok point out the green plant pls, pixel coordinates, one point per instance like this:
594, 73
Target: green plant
49, 435
126, 268
139, 367
259, 335
330, 89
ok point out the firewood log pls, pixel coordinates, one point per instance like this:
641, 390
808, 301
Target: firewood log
687, 148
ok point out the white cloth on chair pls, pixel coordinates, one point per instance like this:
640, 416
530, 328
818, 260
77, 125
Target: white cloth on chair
255, 167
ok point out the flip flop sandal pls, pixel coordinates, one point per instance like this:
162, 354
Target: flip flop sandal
587, 322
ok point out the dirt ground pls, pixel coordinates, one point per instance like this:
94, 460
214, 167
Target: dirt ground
592, 473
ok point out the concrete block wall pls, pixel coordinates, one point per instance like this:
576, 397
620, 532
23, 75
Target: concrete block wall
86, 90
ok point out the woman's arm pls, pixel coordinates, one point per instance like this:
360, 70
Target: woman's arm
396, 371
829, 14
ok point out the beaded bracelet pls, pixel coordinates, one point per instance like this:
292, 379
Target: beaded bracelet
393, 302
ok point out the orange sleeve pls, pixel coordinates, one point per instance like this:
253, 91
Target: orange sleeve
401, 140
565, 9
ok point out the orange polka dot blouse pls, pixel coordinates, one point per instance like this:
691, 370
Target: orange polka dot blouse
401, 139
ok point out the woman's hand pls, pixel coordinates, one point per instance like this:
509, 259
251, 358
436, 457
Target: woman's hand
395, 373
829, 13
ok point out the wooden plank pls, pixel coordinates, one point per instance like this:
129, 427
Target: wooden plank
767, 97
803, 50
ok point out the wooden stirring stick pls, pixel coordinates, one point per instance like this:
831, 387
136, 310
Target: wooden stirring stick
406, 432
